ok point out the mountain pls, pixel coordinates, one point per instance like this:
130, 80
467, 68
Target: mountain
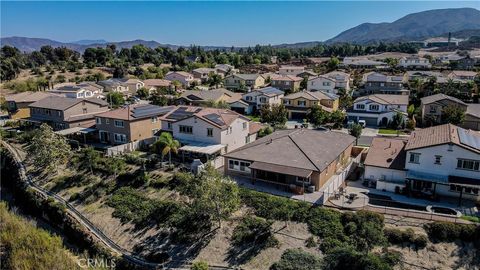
415, 26
90, 41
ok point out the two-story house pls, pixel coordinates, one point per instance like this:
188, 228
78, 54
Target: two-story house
225, 69
378, 83
130, 123
462, 75
414, 62
322, 83
17, 104
125, 86
208, 131
185, 78
244, 82
80, 90
378, 109
298, 104
204, 73
432, 107
63, 112
287, 83
440, 161
157, 85
291, 70
205, 97
355, 62
254, 100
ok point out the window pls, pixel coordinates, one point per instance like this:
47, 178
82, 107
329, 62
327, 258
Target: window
247, 139
286, 102
119, 123
84, 110
360, 106
107, 121
438, 159
236, 165
244, 126
414, 158
459, 188
169, 125
302, 103
154, 131
303, 180
374, 107
210, 132
326, 84
48, 112
98, 120
433, 109
59, 113
248, 98
154, 119
263, 100
186, 129
467, 164
122, 138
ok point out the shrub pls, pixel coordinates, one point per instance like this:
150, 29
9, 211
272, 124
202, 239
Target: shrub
328, 244
349, 258
254, 230
310, 242
200, 265
420, 241
297, 259
449, 232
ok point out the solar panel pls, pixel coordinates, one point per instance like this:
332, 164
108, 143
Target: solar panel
149, 110
468, 139
215, 118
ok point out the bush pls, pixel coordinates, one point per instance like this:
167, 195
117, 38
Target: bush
200, 265
328, 244
420, 241
254, 231
310, 242
349, 258
449, 232
297, 259
398, 237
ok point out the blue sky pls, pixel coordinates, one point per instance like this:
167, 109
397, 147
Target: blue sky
202, 23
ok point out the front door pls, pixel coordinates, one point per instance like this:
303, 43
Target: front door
104, 137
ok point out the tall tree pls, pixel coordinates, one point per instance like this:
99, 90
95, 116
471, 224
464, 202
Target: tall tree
453, 115
166, 144
275, 115
356, 131
89, 158
48, 150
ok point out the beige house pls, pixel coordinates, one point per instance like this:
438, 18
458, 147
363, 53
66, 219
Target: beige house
203, 97
157, 84
130, 123
204, 73
125, 86
287, 83
432, 107
298, 104
62, 112
298, 159
185, 78
244, 81
17, 104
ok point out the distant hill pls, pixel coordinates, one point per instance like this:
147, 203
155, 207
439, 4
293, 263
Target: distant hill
415, 26
90, 41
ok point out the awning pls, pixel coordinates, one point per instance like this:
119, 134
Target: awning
202, 148
31, 120
429, 177
463, 180
281, 169
73, 130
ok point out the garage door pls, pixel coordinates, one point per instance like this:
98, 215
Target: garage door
238, 110
370, 121
299, 115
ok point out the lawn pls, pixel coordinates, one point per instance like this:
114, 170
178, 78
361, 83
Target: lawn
389, 131
254, 118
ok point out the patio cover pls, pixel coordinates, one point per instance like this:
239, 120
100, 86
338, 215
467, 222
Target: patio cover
463, 180
73, 130
281, 169
202, 148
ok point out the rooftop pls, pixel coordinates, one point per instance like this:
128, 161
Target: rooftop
312, 95
387, 153
28, 96
137, 111
63, 103
386, 99
439, 97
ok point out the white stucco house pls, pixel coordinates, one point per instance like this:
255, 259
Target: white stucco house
377, 109
291, 70
414, 62
255, 99
185, 78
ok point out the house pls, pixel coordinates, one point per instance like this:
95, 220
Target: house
204, 73
287, 83
80, 90
330, 82
464, 63
157, 85
472, 117
204, 97
139, 122
440, 161
385, 163
432, 107
378, 83
298, 104
244, 81
121, 85
378, 109
254, 100
297, 159
17, 104
462, 75
291, 70
225, 69
414, 62
185, 78
208, 132
424, 76
362, 63
62, 112
342, 79
307, 74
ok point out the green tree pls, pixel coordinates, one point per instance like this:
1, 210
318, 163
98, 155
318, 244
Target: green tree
345, 99
89, 158
214, 79
115, 99
48, 150
115, 166
333, 63
317, 116
200, 265
411, 111
337, 118
297, 259
143, 93
275, 115
453, 115
356, 131
304, 83
166, 144
398, 121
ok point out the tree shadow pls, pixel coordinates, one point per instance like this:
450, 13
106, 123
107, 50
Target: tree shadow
469, 256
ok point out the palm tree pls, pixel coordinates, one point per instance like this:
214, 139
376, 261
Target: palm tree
166, 145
